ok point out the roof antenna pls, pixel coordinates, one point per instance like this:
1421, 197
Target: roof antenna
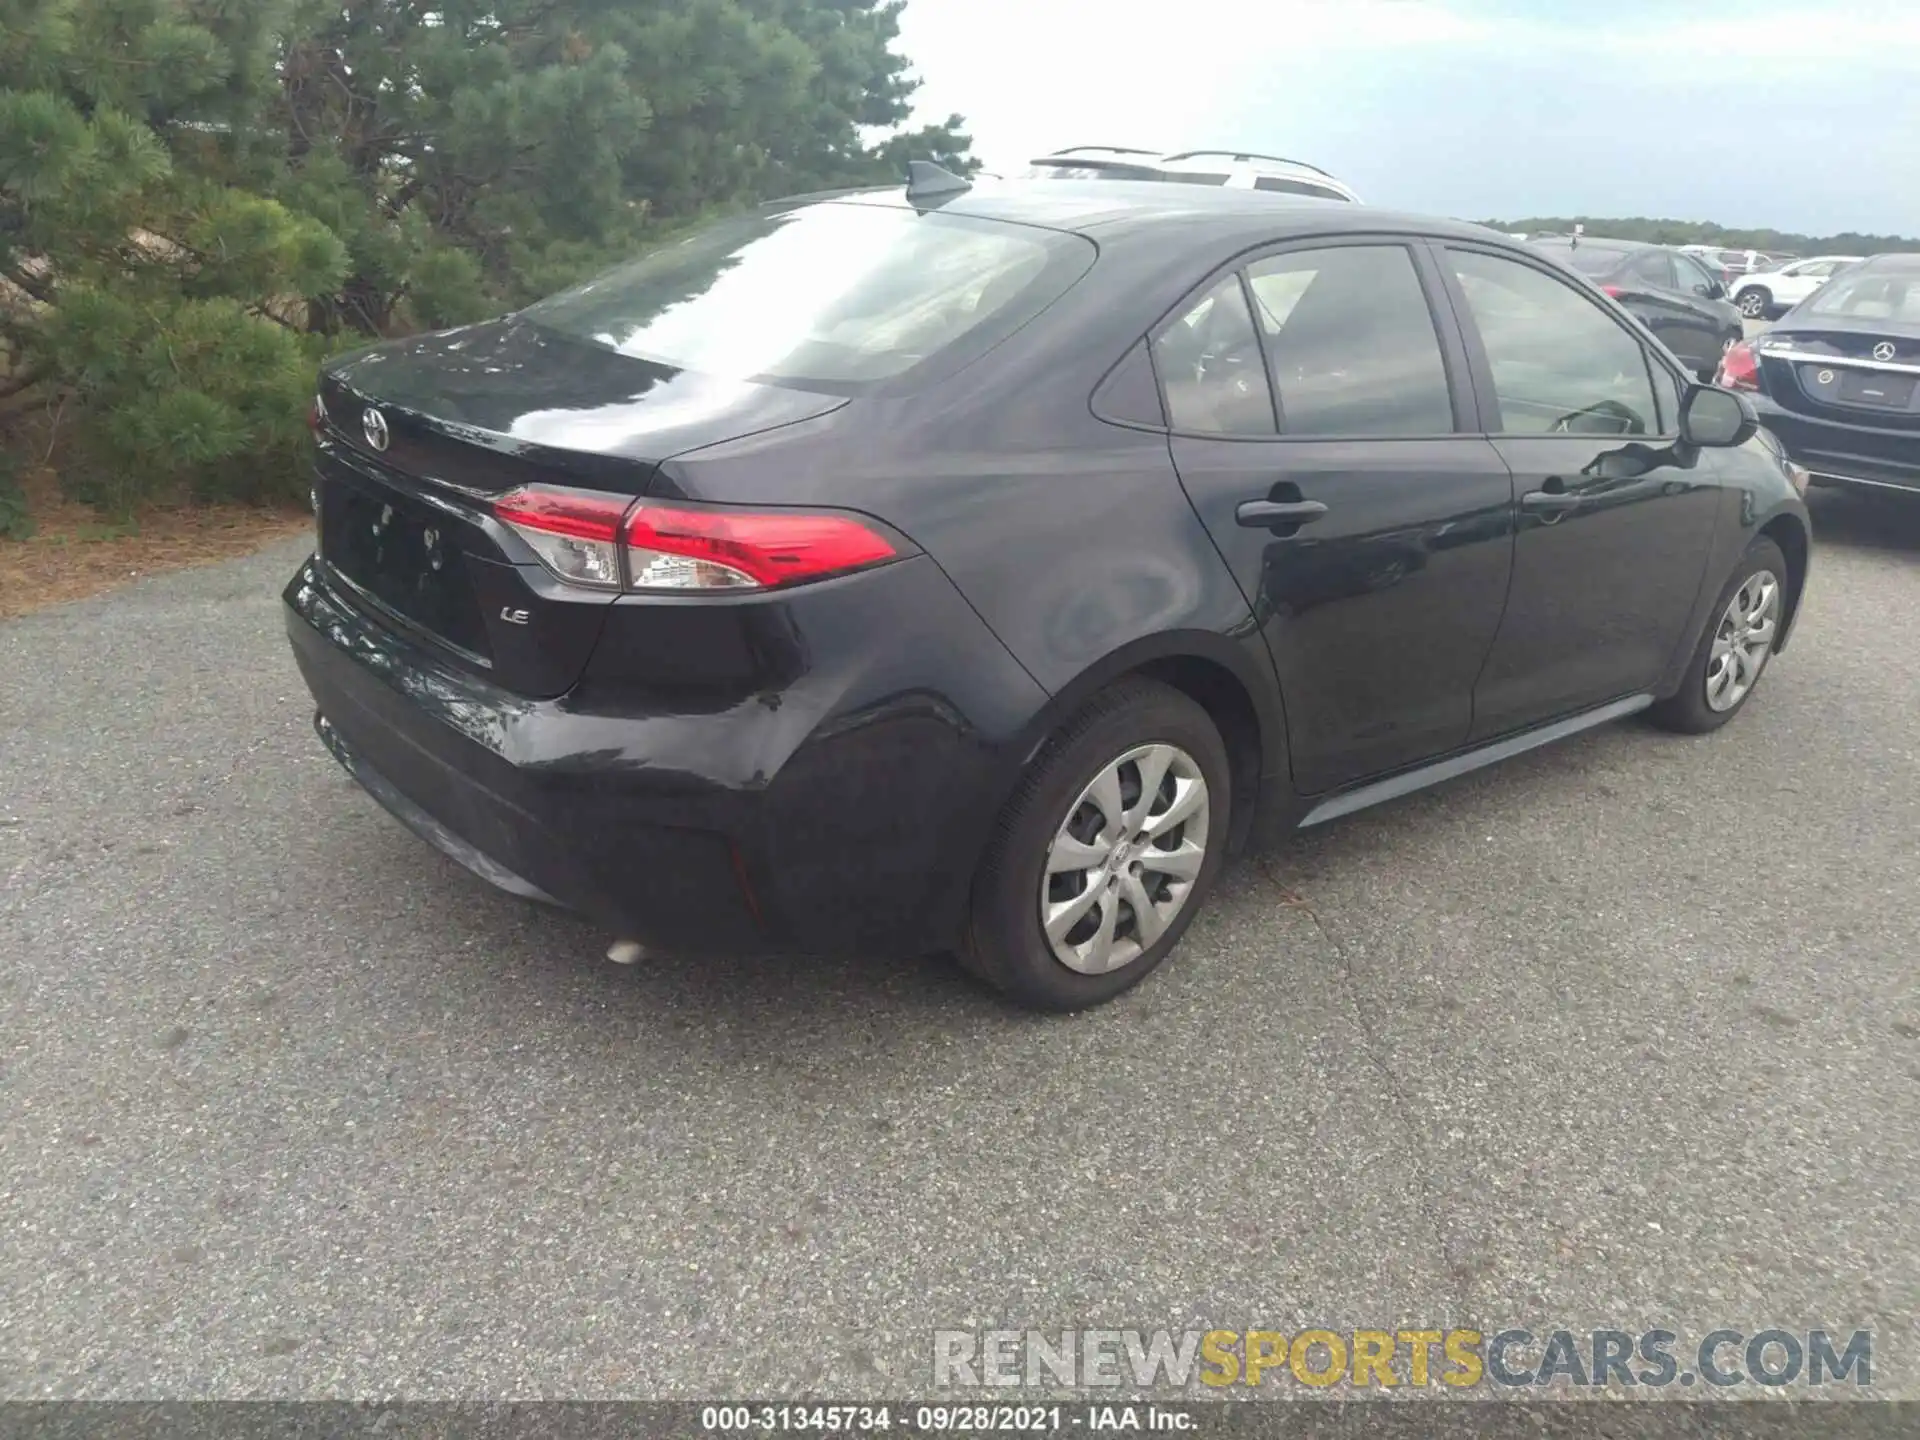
927, 181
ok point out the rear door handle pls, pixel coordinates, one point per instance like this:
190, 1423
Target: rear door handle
1256, 514
1548, 502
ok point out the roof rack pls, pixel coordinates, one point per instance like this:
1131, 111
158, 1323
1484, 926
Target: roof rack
1115, 149
1094, 162
1247, 155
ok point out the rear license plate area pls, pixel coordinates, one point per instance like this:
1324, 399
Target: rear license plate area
405, 554
1848, 385
1869, 387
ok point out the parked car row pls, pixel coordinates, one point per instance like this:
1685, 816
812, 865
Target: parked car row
974, 567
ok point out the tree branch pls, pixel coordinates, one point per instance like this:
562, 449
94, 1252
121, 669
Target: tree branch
37, 288
261, 312
26, 380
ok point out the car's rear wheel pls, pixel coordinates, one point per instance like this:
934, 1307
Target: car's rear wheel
1105, 853
1755, 301
1741, 631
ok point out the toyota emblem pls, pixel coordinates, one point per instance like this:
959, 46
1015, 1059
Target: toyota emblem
374, 426
1883, 351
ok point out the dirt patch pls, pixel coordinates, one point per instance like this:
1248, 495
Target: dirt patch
75, 553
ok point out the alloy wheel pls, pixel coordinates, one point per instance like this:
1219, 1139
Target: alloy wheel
1743, 640
1124, 860
1753, 305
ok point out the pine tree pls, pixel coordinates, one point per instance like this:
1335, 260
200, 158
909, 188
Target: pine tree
199, 197
141, 271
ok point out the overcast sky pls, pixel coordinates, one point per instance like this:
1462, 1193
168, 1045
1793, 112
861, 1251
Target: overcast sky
1804, 116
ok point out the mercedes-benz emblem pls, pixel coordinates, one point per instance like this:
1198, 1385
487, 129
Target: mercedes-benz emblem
374, 426
1883, 351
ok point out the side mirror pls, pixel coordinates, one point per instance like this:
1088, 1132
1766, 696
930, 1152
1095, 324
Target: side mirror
1717, 419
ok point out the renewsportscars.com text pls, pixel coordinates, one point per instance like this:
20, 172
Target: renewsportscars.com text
1389, 1359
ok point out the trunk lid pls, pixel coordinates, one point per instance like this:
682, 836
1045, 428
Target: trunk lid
417, 438
1859, 373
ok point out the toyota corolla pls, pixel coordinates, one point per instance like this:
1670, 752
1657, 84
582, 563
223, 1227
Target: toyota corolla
974, 569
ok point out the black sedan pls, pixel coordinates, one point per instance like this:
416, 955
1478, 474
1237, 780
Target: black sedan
971, 569
1838, 378
1667, 290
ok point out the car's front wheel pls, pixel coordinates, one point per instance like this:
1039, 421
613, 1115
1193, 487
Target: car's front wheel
1755, 301
1105, 853
1741, 631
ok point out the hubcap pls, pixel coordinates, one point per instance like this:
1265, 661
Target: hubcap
1125, 858
1743, 641
1752, 305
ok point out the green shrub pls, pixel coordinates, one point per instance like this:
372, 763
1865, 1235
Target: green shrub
199, 198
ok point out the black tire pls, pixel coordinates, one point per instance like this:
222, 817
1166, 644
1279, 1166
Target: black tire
1755, 302
1004, 942
1687, 710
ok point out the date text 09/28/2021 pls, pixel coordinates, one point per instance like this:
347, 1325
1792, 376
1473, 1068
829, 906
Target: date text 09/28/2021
963, 1419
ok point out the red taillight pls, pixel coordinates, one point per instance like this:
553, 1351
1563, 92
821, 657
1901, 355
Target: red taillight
670, 549
576, 533
579, 535
1614, 290
1739, 368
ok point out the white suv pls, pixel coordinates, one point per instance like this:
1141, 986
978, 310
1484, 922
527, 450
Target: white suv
1236, 169
1767, 293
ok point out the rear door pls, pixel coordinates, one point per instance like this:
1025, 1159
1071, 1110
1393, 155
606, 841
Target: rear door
1328, 449
1681, 319
1615, 517
1646, 280
1707, 291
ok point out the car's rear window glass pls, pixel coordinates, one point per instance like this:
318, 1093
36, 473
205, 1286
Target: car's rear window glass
1351, 343
1870, 295
827, 295
1210, 366
1587, 259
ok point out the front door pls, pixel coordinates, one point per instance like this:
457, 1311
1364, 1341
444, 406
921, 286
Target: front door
1370, 532
1615, 515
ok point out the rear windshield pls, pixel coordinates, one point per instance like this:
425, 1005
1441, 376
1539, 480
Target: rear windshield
1870, 295
828, 295
1587, 259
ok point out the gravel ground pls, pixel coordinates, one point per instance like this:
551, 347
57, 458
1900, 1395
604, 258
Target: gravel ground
1623, 1033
